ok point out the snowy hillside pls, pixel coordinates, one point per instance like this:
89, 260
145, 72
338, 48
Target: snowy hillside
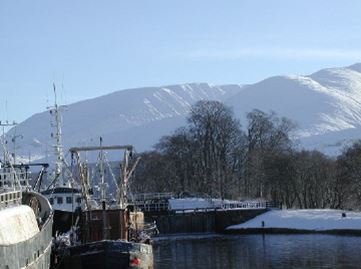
325, 105
135, 116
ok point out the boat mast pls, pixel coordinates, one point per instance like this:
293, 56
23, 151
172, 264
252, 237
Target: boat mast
102, 179
58, 148
125, 173
124, 184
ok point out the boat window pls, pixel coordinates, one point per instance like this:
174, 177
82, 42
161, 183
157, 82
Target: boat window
78, 200
51, 200
69, 200
60, 200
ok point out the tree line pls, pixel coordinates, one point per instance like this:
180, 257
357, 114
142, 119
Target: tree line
214, 155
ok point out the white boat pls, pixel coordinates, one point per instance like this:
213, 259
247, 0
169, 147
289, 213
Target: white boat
26, 219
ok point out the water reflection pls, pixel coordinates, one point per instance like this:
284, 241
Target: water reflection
258, 251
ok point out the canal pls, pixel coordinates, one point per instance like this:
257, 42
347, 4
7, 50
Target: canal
257, 251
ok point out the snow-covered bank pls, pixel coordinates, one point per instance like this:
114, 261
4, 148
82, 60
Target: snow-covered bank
310, 219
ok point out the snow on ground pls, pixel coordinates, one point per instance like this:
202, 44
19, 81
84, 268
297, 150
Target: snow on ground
189, 203
307, 219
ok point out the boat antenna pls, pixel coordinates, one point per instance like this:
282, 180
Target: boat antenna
7, 159
13, 140
4, 125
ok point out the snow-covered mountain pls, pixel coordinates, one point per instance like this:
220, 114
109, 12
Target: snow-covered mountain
325, 105
136, 116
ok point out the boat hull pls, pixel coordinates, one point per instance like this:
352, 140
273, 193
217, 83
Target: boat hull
108, 254
33, 253
63, 221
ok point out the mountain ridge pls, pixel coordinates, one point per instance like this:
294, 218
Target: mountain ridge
323, 103
115, 114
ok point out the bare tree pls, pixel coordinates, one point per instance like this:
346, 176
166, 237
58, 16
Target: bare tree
349, 177
314, 179
218, 140
179, 150
267, 135
154, 174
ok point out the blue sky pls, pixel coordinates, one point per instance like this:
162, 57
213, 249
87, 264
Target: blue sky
97, 47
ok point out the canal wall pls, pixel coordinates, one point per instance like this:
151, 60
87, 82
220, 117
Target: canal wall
171, 222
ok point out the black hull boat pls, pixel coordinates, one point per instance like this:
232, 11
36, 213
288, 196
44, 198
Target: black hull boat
108, 254
106, 238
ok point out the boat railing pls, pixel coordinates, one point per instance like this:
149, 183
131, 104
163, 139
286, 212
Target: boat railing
10, 197
8, 179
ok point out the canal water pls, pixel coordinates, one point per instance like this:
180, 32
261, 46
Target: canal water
257, 251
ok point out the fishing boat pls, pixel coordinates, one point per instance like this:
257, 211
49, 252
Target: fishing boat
26, 219
110, 232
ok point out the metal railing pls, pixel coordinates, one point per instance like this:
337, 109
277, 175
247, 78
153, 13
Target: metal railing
8, 179
154, 206
152, 201
226, 206
160, 202
152, 196
8, 198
